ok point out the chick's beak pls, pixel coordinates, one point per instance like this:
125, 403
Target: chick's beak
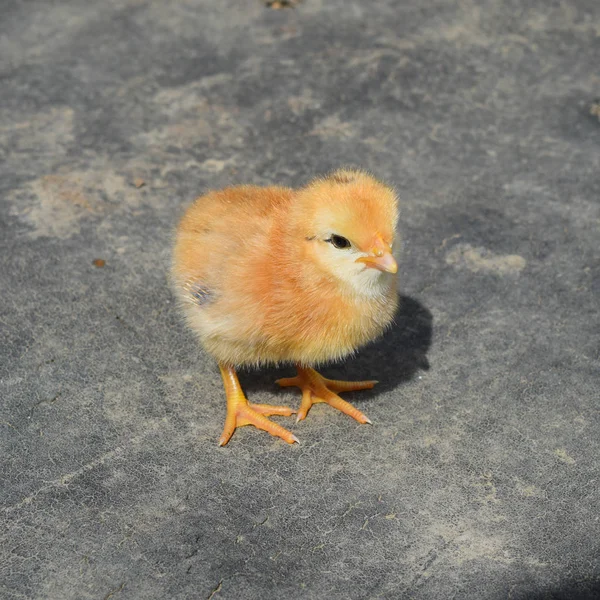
380, 257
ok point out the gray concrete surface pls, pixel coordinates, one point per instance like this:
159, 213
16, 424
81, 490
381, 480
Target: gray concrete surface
479, 478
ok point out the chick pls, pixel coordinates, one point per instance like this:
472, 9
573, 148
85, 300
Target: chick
271, 275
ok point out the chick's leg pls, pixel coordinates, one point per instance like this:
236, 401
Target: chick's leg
316, 388
240, 412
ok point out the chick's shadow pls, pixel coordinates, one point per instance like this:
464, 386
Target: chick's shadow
392, 360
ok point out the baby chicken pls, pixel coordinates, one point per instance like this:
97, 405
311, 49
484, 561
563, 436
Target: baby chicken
275, 275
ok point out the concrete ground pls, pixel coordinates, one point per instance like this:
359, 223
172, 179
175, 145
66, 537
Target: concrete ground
479, 478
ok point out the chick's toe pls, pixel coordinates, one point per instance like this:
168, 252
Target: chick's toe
240, 412
317, 389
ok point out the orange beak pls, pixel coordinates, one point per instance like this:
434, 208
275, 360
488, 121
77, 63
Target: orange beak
380, 257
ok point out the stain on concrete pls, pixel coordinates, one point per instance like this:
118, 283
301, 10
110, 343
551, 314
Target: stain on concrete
564, 456
333, 127
482, 260
56, 205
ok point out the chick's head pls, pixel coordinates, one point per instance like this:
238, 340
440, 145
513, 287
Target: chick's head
349, 222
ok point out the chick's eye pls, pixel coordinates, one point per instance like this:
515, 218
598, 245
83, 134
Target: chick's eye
339, 242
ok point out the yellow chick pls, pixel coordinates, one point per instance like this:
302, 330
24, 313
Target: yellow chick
271, 275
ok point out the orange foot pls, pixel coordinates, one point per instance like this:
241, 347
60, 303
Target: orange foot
240, 412
316, 388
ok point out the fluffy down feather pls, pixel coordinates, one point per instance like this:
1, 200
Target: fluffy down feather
261, 277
